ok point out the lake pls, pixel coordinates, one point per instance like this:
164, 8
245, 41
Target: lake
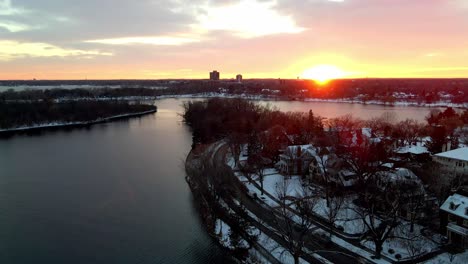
363, 111
115, 193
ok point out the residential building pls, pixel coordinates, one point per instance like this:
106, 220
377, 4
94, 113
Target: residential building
214, 76
331, 167
454, 162
454, 220
295, 160
416, 151
420, 204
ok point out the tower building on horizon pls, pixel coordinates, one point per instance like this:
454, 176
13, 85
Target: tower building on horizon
214, 76
239, 78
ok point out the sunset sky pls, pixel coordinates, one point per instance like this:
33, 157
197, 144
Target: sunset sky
159, 39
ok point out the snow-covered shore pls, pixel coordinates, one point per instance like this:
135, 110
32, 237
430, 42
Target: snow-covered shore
318, 100
263, 97
396, 103
73, 124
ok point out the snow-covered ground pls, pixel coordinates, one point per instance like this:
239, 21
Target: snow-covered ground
346, 217
461, 258
361, 252
408, 245
273, 185
223, 231
276, 250
396, 103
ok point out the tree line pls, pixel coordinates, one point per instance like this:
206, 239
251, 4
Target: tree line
19, 114
384, 90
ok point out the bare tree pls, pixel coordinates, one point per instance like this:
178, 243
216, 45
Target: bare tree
410, 131
441, 181
379, 209
258, 164
334, 206
415, 244
295, 228
234, 141
322, 155
382, 125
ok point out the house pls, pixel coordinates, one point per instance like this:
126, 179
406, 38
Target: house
416, 151
277, 137
454, 162
295, 160
454, 220
420, 205
354, 137
332, 167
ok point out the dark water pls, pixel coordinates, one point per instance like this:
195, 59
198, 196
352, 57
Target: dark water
114, 193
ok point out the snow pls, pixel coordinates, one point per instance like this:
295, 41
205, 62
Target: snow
294, 184
456, 204
414, 245
396, 103
400, 175
270, 186
408, 244
276, 250
293, 151
461, 258
346, 217
361, 252
413, 149
459, 154
222, 230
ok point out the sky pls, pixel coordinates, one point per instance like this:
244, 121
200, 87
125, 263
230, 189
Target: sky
166, 39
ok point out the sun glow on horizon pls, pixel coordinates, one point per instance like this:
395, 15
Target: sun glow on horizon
322, 74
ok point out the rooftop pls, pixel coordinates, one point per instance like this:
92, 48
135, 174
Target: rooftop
456, 204
459, 154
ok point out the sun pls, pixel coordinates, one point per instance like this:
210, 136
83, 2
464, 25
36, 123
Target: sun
322, 74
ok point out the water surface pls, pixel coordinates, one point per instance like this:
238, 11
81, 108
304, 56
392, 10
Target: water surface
114, 193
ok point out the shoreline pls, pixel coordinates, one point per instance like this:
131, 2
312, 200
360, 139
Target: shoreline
76, 124
438, 104
397, 103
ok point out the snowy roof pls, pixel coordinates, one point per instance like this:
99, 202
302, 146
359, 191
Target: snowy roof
367, 132
459, 154
399, 175
456, 204
292, 150
418, 149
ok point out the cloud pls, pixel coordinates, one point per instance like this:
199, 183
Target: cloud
246, 19
104, 19
11, 50
6, 9
158, 40
14, 26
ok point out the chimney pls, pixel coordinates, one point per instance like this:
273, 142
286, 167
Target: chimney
449, 145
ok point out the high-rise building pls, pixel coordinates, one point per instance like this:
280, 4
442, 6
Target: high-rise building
239, 78
214, 76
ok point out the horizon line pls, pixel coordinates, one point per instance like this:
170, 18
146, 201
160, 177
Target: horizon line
245, 79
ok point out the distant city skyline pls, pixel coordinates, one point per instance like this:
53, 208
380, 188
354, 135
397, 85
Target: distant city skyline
172, 39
